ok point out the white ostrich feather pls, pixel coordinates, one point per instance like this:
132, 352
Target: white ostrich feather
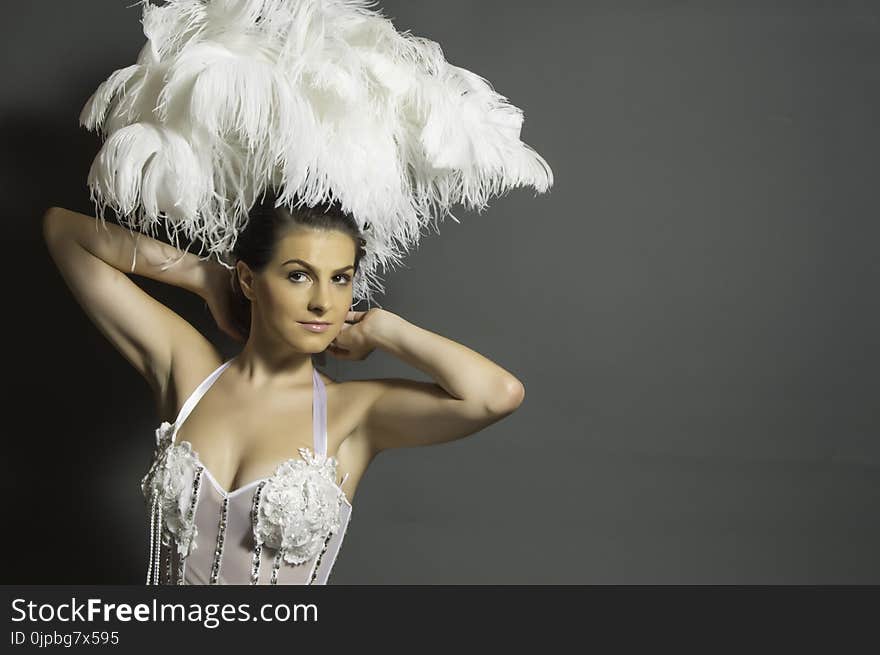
321, 100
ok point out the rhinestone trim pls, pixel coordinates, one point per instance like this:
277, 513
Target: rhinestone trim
258, 547
167, 560
190, 515
221, 536
318, 561
153, 504
276, 564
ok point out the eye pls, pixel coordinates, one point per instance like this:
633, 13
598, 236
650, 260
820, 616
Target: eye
342, 277
295, 273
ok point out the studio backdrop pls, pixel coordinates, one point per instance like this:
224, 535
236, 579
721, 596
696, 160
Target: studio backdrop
691, 308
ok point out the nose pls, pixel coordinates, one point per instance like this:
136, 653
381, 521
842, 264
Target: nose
319, 301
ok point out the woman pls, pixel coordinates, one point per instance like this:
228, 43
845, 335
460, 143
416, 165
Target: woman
248, 453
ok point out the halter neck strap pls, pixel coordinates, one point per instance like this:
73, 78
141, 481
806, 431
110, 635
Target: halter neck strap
319, 406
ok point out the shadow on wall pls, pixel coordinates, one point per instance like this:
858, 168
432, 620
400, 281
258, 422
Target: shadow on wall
83, 419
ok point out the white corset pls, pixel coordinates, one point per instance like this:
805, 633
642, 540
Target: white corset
283, 529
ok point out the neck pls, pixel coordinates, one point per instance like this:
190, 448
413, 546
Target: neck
273, 367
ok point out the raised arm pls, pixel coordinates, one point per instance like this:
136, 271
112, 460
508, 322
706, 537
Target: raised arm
94, 261
470, 392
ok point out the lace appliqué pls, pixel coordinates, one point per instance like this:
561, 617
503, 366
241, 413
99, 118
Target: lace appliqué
299, 507
170, 480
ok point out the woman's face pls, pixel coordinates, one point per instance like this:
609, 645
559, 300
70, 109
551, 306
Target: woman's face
308, 279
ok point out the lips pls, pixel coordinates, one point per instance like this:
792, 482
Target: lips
315, 327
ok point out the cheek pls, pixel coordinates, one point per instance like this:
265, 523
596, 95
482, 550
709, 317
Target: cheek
346, 296
279, 304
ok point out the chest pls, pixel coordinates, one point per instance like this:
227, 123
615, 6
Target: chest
241, 438
298, 513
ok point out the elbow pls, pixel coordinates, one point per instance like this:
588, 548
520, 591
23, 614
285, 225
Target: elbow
59, 230
507, 399
50, 222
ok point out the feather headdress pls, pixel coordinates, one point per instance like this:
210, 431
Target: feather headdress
321, 100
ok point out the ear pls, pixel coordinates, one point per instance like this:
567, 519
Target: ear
245, 279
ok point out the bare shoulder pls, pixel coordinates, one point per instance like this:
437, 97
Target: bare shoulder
356, 394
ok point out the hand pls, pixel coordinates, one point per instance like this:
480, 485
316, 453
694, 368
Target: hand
354, 341
218, 294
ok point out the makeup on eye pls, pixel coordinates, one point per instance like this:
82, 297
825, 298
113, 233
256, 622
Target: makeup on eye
311, 268
346, 278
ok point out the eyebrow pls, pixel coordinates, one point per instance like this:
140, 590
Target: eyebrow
312, 269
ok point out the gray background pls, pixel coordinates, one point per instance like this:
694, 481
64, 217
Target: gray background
692, 308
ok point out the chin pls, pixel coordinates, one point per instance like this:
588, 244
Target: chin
310, 345
313, 346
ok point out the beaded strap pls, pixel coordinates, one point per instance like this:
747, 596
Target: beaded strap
320, 555
190, 515
258, 546
167, 559
221, 537
276, 564
159, 525
153, 505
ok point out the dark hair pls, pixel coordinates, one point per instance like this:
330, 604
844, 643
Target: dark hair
256, 243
